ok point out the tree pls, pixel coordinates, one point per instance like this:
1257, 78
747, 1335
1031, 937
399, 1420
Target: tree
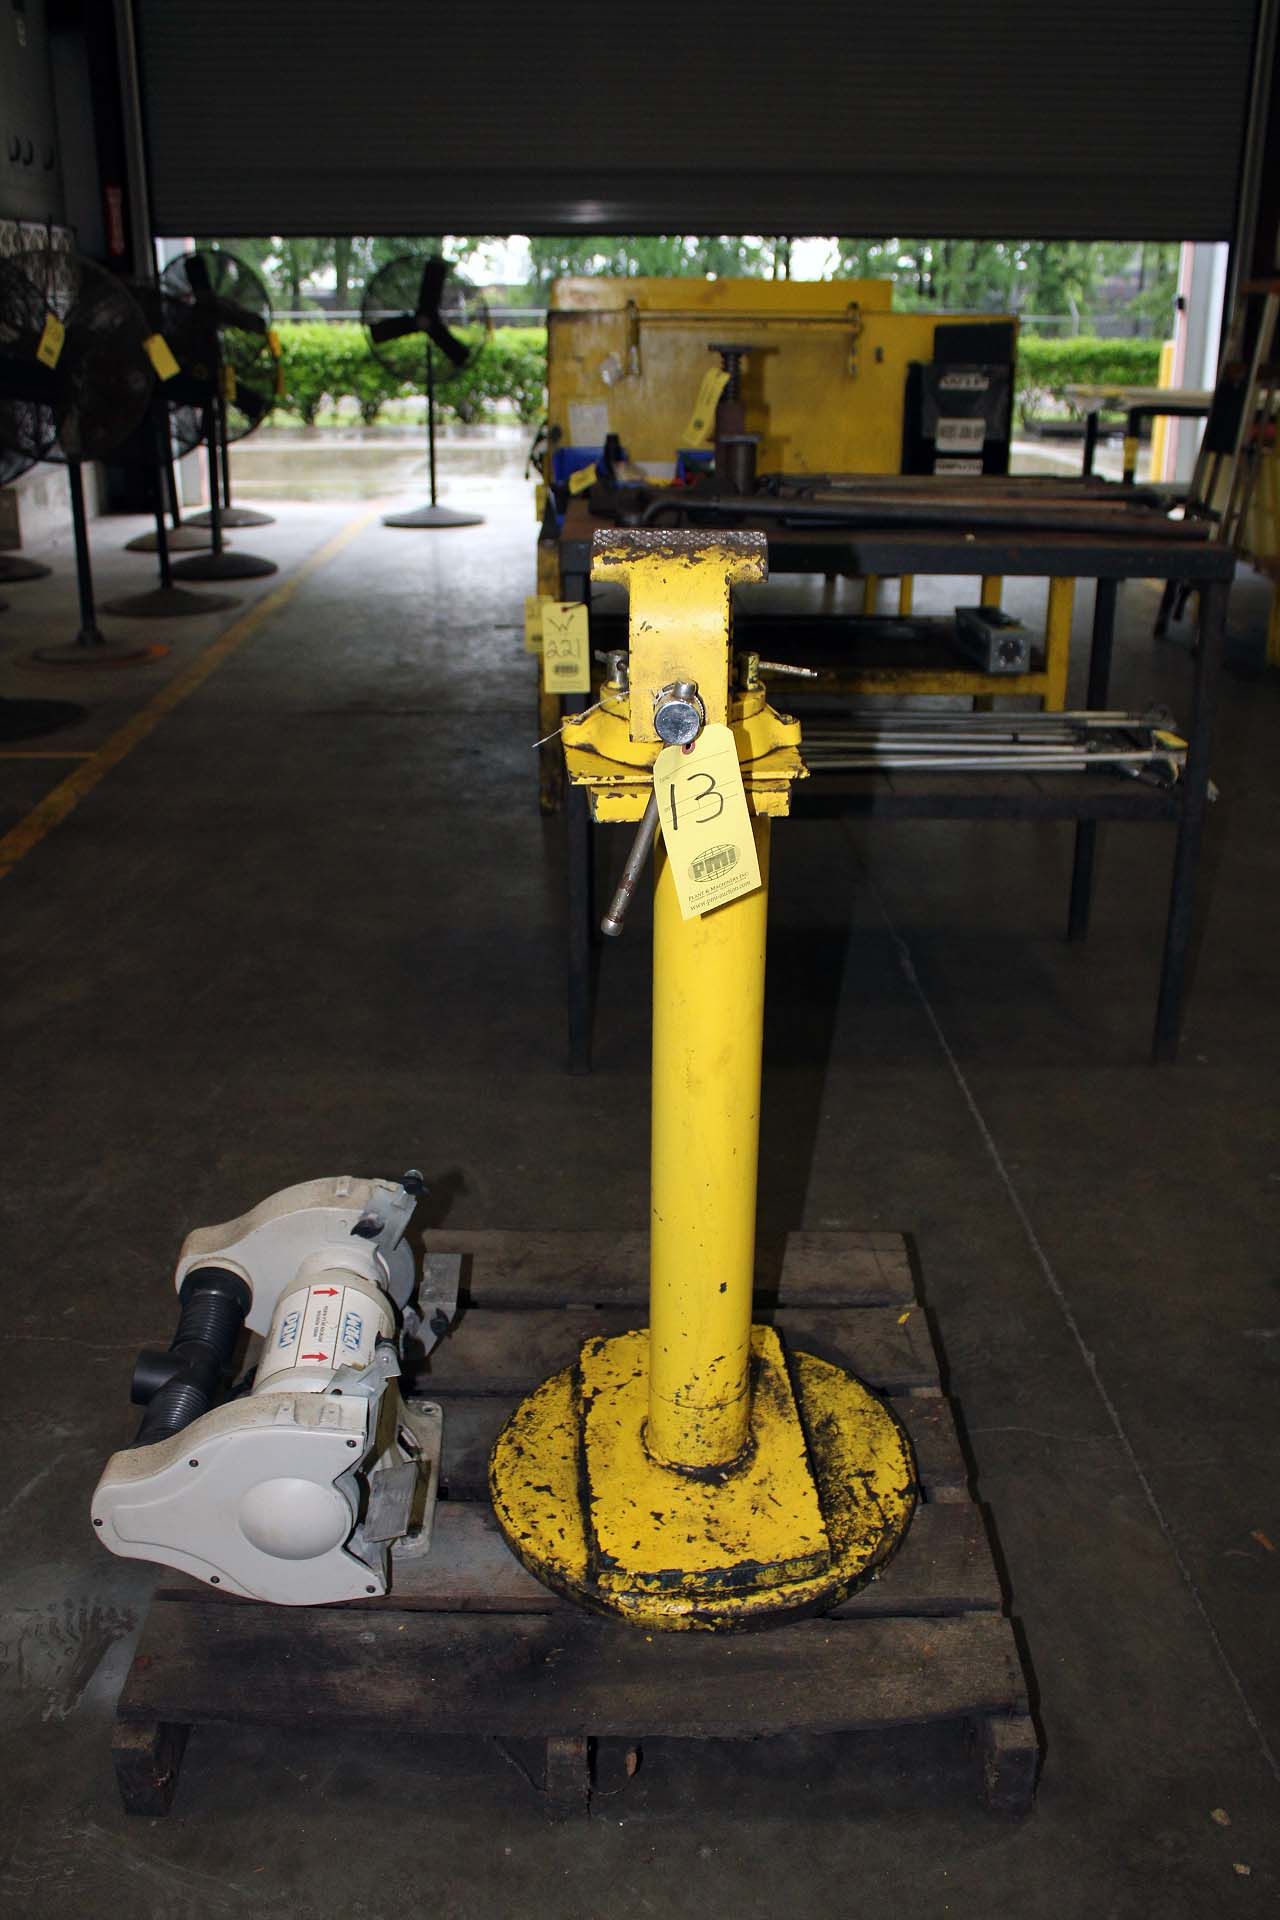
663, 255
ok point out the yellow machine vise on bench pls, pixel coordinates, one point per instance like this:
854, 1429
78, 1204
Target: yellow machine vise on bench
696, 1473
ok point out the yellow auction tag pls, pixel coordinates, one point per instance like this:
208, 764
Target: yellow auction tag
160, 354
49, 345
706, 824
582, 478
229, 385
566, 647
702, 419
273, 341
533, 605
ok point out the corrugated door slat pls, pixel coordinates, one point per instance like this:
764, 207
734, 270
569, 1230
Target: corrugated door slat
1088, 120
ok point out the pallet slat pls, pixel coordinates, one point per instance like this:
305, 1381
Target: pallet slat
943, 1567
543, 1676
509, 1353
593, 1268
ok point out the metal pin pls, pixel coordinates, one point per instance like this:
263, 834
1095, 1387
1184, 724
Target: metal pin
637, 860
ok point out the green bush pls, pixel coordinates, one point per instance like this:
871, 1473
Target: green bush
1046, 367
324, 362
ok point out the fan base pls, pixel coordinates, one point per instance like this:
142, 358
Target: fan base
13, 568
91, 649
433, 517
232, 517
224, 566
170, 603
30, 719
183, 539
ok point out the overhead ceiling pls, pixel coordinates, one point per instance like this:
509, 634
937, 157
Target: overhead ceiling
1089, 120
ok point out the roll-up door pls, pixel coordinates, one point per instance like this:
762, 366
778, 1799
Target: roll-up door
1093, 120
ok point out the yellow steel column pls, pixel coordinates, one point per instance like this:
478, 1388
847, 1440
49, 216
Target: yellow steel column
906, 593
870, 593
992, 589
708, 1027
1057, 642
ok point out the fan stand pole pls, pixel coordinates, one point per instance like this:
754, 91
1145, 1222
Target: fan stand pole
435, 515
215, 493
90, 648
431, 420
182, 534
168, 601
219, 564
231, 516
90, 635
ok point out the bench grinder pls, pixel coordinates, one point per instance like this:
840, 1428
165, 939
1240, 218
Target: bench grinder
696, 1474
297, 1486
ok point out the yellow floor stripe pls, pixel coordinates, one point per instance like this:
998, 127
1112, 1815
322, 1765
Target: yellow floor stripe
68, 794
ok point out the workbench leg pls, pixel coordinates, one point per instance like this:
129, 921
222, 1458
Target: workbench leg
148, 1759
550, 755
1057, 643
1090, 441
1104, 623
1194, 799
578, 862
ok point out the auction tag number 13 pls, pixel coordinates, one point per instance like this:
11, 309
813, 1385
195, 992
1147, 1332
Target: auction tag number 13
705, 821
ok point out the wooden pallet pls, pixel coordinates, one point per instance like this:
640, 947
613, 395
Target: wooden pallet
470, 1642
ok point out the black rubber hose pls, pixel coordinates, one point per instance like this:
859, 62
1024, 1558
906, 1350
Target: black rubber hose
180, 1385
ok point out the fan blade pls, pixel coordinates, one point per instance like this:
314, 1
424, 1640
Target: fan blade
449, 344
394, 328
430, 294
431, 287
197, 269
228, 314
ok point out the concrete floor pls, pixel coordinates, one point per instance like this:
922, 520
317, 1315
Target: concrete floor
312, 923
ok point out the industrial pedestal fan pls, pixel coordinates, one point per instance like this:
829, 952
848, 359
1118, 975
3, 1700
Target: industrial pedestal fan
75, 381
177, 421
233, 279
227, 307
422, 319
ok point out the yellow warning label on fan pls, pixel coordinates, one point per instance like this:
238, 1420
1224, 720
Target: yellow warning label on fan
49, 345
229, 385
533, 605
160, 354
583, 478
566, 647
701, 420
706, 824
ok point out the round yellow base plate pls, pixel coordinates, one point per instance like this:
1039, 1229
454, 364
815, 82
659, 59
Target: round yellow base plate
554, 1510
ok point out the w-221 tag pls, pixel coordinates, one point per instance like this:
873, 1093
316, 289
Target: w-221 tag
566, 647
705, 821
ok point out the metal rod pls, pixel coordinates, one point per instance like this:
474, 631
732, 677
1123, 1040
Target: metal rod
636, 862
431, 419
89, 635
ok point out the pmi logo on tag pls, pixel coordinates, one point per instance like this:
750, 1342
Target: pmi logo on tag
714, 863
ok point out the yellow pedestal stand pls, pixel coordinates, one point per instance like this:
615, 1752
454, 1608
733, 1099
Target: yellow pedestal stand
696, 1474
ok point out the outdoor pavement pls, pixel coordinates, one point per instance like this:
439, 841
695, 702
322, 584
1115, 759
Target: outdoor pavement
311, 922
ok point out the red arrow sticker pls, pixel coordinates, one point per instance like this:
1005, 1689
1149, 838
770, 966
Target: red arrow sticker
331, 1291
313, 1356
